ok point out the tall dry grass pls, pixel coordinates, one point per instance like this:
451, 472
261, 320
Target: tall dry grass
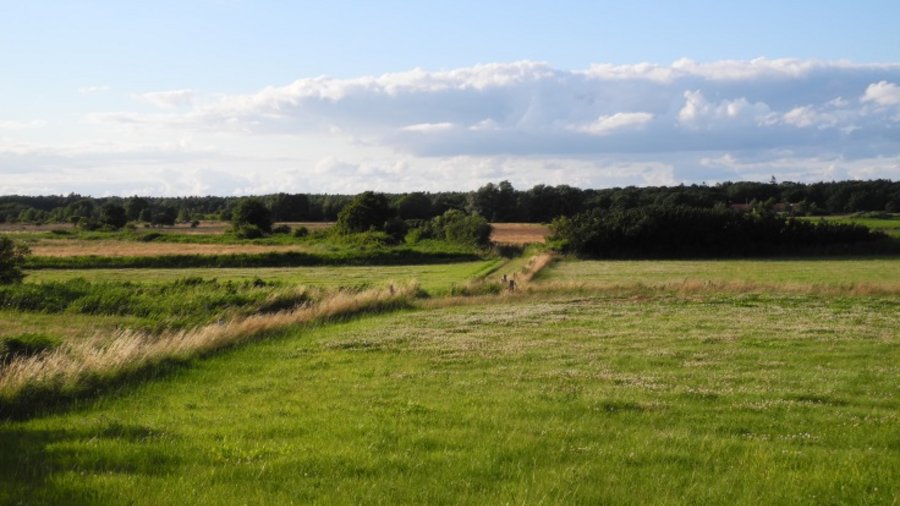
77, 366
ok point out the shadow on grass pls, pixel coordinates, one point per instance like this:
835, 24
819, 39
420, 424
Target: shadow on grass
38, 402
39, 466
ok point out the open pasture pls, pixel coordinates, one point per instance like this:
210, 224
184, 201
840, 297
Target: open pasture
539, 398
877, 273
889, 224
433, 278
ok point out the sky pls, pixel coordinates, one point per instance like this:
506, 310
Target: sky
232, 97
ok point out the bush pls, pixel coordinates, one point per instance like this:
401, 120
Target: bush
301, 231
281, 229
113, 216
687, 231
252, 212
249, 232
368, 211
24, 345
457, 226
152, 236
12, 255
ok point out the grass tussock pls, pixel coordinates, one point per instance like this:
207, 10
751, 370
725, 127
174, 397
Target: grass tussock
79, 366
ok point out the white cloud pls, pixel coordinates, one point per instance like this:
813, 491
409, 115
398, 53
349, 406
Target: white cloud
528, 122
21, 125
697, 110
100, 88
426, 128
605, 125
169, 99
882, 93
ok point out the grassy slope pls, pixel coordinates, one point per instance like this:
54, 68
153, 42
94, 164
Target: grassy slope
579, 398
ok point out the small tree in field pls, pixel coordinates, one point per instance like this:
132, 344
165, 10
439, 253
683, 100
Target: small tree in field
113, 215
12, 254
251, 212
368, 211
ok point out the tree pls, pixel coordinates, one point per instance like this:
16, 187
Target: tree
290, 207
134, 206
164, 216
252, 212
369, 210
113, 215
413, 206
12, 254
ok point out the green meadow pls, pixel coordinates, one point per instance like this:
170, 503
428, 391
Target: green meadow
553, 398
598, 383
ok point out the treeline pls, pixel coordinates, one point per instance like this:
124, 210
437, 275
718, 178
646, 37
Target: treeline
680, 232
495, 202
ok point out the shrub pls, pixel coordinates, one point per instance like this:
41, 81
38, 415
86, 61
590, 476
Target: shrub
249, 232
457, 226
12, 255
113, 215
24, 345
689, 231
252, 212
368, 211
152, 236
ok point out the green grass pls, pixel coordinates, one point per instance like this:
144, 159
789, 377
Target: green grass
571, 398
64, 325
433, 278
890, 226
823, 272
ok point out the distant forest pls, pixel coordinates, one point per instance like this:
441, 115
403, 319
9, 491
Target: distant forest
495, 202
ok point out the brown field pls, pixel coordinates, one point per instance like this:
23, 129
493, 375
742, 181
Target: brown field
211, 227
519, 233
75, 247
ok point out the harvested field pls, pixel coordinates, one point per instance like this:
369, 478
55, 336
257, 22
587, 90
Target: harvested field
519, 233
208, 227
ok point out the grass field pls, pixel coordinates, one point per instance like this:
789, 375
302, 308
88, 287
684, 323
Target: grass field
552, 398
880, 272
890, 226
434, 278
602, 382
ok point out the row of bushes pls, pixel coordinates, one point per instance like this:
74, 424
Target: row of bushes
659, 232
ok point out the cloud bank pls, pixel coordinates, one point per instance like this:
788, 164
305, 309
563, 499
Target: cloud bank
529, 121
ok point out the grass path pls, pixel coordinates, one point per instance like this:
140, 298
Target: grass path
562, 398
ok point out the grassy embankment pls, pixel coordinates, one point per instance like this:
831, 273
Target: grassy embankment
643, 390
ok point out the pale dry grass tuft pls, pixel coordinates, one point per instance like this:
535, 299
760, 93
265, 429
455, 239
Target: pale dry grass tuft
103, 356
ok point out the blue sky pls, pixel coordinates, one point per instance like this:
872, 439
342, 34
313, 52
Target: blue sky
228, 96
